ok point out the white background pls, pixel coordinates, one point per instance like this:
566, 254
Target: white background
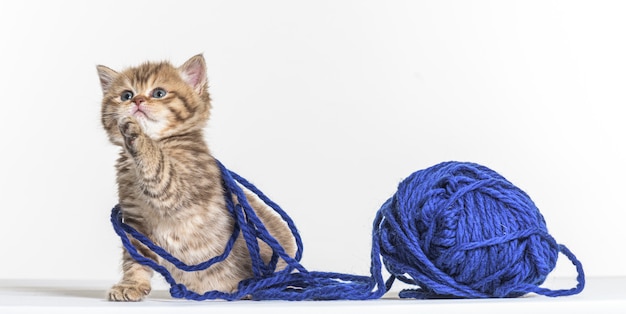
326, 106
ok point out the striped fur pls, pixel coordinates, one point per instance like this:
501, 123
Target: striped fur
169, 185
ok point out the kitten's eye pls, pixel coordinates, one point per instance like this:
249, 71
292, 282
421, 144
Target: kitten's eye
158, 93
126, 96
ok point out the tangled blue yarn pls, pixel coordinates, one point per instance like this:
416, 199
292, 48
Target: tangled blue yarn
453, 230
463, 230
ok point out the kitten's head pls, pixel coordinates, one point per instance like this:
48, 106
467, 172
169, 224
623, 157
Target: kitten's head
164, 99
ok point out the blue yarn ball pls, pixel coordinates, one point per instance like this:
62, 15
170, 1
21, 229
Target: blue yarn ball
462, 230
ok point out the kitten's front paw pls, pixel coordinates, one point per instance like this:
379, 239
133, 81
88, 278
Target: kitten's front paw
129, 292
130, 130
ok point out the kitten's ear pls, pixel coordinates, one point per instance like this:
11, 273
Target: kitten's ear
194, 73
107, 76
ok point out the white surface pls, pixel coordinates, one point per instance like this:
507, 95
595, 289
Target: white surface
326, 106
602, 295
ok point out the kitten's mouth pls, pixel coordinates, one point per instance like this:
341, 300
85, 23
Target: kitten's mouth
137, 113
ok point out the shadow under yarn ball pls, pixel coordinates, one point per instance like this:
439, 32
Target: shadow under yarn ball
463, 230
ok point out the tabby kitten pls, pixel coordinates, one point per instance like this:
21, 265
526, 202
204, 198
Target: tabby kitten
169, 185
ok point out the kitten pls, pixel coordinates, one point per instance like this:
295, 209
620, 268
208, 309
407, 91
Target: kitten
169, 185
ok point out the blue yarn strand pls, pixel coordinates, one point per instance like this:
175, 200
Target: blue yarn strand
292, 283
454, 230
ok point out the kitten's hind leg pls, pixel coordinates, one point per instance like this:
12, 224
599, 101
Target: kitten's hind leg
135, 283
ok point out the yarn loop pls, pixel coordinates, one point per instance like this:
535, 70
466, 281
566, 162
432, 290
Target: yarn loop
456, 229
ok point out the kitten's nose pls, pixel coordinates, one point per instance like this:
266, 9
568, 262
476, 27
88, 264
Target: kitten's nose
139, 100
